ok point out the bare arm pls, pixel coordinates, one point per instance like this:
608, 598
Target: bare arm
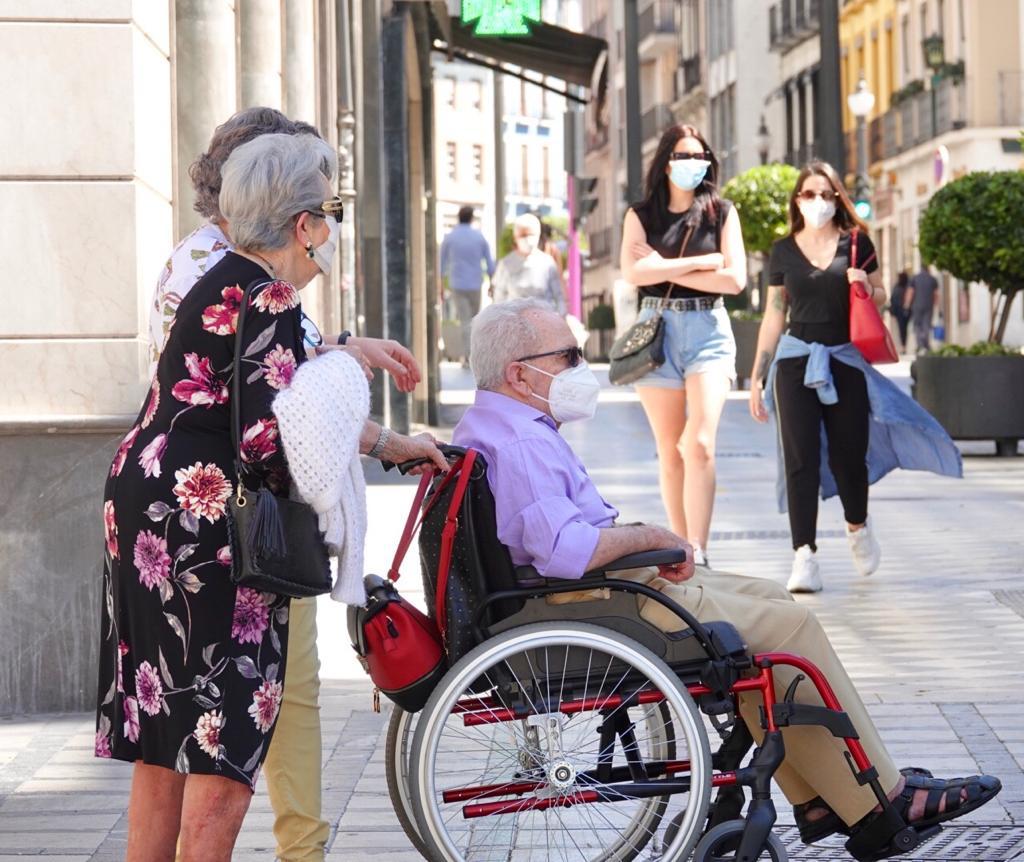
651, 268
878, 292
616, 542
772, 325
908, 298
732, 277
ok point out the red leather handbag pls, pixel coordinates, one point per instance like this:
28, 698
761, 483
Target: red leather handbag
868, 331
400, 647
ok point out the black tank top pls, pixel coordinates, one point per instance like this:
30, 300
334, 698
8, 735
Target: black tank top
667, 239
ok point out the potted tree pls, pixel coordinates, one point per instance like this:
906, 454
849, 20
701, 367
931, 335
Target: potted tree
761, 196
972, 228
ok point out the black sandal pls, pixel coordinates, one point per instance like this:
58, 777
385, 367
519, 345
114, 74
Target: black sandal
812, 831
979, 790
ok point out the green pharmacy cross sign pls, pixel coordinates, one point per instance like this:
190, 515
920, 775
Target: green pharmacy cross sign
501, 17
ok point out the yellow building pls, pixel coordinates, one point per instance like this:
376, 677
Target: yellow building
867, 47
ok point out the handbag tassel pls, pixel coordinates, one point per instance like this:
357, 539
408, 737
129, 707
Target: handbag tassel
266, 532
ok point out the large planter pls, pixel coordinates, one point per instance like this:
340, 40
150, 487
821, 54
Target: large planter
974, 397
745, 333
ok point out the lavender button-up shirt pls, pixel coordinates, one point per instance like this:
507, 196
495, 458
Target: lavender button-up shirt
548, 510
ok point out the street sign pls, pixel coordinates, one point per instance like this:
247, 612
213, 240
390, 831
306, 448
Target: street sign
501, 17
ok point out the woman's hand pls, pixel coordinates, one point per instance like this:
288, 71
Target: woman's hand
757, 408
854, 275
352, 351
401, 448
391, 357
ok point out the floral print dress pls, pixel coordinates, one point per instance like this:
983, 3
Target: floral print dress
191, 666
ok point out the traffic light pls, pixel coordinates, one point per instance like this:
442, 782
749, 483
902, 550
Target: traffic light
585, 199
862, 198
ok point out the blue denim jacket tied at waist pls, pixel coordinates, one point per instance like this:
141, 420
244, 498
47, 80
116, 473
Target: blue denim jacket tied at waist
901, 432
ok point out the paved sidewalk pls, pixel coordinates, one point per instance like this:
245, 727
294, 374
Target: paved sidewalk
934, 640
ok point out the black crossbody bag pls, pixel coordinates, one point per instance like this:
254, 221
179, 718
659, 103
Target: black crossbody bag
641, 348
276, 546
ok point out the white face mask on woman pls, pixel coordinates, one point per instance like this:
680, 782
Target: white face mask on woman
324, 253
817, 212
573, 394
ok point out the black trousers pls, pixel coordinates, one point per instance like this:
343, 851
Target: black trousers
800, 416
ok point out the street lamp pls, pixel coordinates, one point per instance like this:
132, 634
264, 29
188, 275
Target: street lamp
764, 141
934, 58
860, 102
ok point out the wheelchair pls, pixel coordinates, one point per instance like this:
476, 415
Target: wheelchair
578, 731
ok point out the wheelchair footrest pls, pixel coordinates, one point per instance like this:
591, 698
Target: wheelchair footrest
836, 723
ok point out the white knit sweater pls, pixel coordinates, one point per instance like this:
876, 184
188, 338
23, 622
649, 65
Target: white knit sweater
320, 416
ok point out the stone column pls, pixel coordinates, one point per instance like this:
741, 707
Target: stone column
300, 60
260, 52
207, 89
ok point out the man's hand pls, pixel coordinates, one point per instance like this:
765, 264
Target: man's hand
391, 357
666, 539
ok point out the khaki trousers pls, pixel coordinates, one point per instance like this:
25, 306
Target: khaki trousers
769, 620
293, 764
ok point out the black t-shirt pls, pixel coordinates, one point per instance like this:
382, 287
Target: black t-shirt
668, 239
819, 299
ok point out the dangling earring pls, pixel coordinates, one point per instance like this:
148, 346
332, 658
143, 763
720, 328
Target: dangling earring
309, 250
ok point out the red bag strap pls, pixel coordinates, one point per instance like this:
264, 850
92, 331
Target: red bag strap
853, 251
451, 525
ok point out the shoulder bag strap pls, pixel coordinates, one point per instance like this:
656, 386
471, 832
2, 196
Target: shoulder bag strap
236, 377
682, 250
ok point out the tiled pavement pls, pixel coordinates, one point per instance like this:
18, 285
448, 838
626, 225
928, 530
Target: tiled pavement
935, 642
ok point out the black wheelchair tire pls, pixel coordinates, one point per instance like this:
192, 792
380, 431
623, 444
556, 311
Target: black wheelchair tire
719, 844
396, 748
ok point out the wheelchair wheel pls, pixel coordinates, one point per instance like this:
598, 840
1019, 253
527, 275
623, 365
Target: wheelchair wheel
560, 741
397, 750
721, 843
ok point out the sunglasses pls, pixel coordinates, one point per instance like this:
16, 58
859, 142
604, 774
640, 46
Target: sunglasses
574, 355
808, 195
335, 207
310, 332
676, 157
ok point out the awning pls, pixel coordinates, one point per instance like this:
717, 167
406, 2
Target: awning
549, 50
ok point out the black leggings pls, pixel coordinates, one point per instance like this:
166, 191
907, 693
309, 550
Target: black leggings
800, 416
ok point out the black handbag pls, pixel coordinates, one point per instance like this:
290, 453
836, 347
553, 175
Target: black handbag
641, 348
276, 545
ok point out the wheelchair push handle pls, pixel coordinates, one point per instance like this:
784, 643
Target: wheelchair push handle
451, 453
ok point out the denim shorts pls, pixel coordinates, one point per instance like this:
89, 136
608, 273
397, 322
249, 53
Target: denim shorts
696, 342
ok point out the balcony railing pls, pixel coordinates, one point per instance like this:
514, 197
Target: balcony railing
801, 155
687, 76
790, 22
910, 123
533, 189
655, 121
658, 18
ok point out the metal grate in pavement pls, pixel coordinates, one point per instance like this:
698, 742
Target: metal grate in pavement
742, 535
974, 843
1013, 599
727, 454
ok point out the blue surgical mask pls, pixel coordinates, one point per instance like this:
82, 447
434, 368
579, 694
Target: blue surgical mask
687, 174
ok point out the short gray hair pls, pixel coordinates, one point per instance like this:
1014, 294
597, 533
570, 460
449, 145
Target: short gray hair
268, 181
501, 333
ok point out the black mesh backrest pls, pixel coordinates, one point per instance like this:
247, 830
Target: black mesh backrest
480, 564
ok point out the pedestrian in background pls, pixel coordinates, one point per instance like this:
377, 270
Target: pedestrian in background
550, 247
526, 272
921, 300
899, 311
465, 255
818, 378
682, 245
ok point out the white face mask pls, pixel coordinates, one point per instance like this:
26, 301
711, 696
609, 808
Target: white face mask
527, 244
573, 393
818, 212
324, 253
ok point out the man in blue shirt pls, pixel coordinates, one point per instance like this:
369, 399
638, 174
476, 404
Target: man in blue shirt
462, 253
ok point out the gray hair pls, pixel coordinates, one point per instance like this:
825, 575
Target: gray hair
268, 181
501, 333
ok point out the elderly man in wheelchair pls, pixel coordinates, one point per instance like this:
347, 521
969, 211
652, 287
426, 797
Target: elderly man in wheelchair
591, 663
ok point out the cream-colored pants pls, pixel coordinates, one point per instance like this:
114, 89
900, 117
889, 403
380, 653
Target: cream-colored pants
769, 620
293, 764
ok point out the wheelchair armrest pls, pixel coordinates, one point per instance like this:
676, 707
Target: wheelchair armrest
643, 559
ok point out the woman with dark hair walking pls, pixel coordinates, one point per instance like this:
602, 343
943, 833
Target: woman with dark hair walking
819, 379
897, 306
683, 247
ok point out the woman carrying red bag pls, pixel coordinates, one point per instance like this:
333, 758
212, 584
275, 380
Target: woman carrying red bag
820, 380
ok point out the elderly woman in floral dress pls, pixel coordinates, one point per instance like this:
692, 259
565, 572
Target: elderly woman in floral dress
191, 666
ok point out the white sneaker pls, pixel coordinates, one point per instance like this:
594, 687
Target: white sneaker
699, 557
804, 578
865, 549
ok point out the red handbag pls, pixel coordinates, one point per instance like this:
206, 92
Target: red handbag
868, 331
400, 647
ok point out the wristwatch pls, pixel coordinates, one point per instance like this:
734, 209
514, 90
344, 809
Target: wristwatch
345, 336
